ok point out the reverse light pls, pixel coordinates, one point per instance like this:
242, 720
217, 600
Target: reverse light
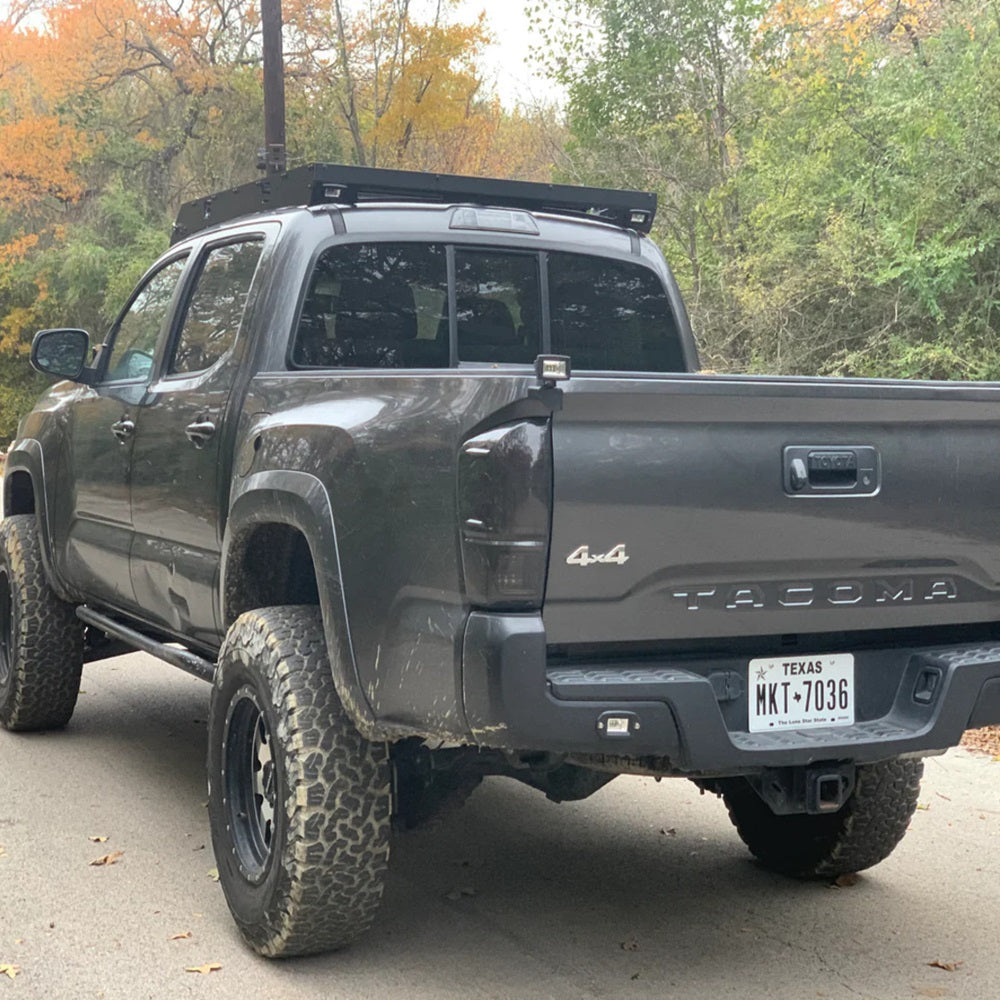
551, 368
505, 493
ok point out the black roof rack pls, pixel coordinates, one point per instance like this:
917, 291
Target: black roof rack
333, 184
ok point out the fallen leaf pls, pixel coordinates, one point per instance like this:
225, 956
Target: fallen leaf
108, 859
846, 880
183, 935
204, 969
630, 945
97, 839
924, 806
213, 874
10, 971
672, 832
947, 966
635, 975
996, 759
456, 894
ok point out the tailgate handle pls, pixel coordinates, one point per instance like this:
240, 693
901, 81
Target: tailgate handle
810, 470
833, 468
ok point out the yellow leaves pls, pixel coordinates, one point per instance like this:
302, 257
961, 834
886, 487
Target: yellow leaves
17, 322
807, 28
213, 874
8, 970
107, 859
205, 969
182, 936
98, 839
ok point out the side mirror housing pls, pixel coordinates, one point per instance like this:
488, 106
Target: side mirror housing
62, 353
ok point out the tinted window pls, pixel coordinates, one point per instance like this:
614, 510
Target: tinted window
215, 310
375, 305
139, 329
497, 305
611, 316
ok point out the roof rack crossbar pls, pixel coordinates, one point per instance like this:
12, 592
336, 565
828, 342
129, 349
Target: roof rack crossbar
333, 184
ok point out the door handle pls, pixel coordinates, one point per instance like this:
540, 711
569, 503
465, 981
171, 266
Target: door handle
123, 429
199, 432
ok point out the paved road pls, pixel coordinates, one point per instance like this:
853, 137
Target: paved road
643, 891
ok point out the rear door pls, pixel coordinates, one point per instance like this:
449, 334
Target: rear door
701, 507
180, 459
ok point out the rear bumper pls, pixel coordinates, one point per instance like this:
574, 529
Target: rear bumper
694, 712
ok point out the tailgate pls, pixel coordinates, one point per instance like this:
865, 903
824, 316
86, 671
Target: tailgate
702, 507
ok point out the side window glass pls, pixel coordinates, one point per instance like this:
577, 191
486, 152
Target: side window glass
375, 305
610, 315
497, 306
138, 330
215, 310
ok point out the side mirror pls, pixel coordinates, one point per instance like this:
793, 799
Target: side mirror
62, 353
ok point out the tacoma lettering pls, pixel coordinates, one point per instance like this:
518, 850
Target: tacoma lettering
801, 594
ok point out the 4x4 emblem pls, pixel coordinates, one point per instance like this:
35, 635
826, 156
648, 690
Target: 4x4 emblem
582, 557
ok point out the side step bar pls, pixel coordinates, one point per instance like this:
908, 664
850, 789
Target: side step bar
182, 658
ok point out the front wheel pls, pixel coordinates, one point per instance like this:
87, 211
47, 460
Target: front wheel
41, 639
863, 832
299, 802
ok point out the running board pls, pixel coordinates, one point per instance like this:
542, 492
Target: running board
182, 658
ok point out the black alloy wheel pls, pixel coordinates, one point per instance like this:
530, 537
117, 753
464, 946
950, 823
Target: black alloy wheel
250, 781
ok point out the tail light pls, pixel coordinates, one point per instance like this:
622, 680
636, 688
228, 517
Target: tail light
505, 501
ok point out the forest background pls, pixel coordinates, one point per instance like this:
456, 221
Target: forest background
827, 169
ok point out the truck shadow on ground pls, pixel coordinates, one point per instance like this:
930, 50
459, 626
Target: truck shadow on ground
644, 888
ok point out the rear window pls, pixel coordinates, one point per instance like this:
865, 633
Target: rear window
497, 302
375, 305
609, 315
385, 305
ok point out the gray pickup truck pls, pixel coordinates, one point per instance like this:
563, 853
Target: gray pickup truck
420, 474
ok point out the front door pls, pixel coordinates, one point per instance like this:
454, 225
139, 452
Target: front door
93, 525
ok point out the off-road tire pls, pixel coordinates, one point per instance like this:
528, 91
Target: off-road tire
41, 639
863, 832
302, 872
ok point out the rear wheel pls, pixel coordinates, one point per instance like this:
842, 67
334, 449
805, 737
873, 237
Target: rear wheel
299, 801
41, 639
863, 832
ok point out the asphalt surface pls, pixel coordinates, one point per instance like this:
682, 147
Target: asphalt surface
642, 891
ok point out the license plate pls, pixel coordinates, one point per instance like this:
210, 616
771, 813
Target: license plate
801, 692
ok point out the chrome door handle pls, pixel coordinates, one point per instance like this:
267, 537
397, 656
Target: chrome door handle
199, 432
123, 429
